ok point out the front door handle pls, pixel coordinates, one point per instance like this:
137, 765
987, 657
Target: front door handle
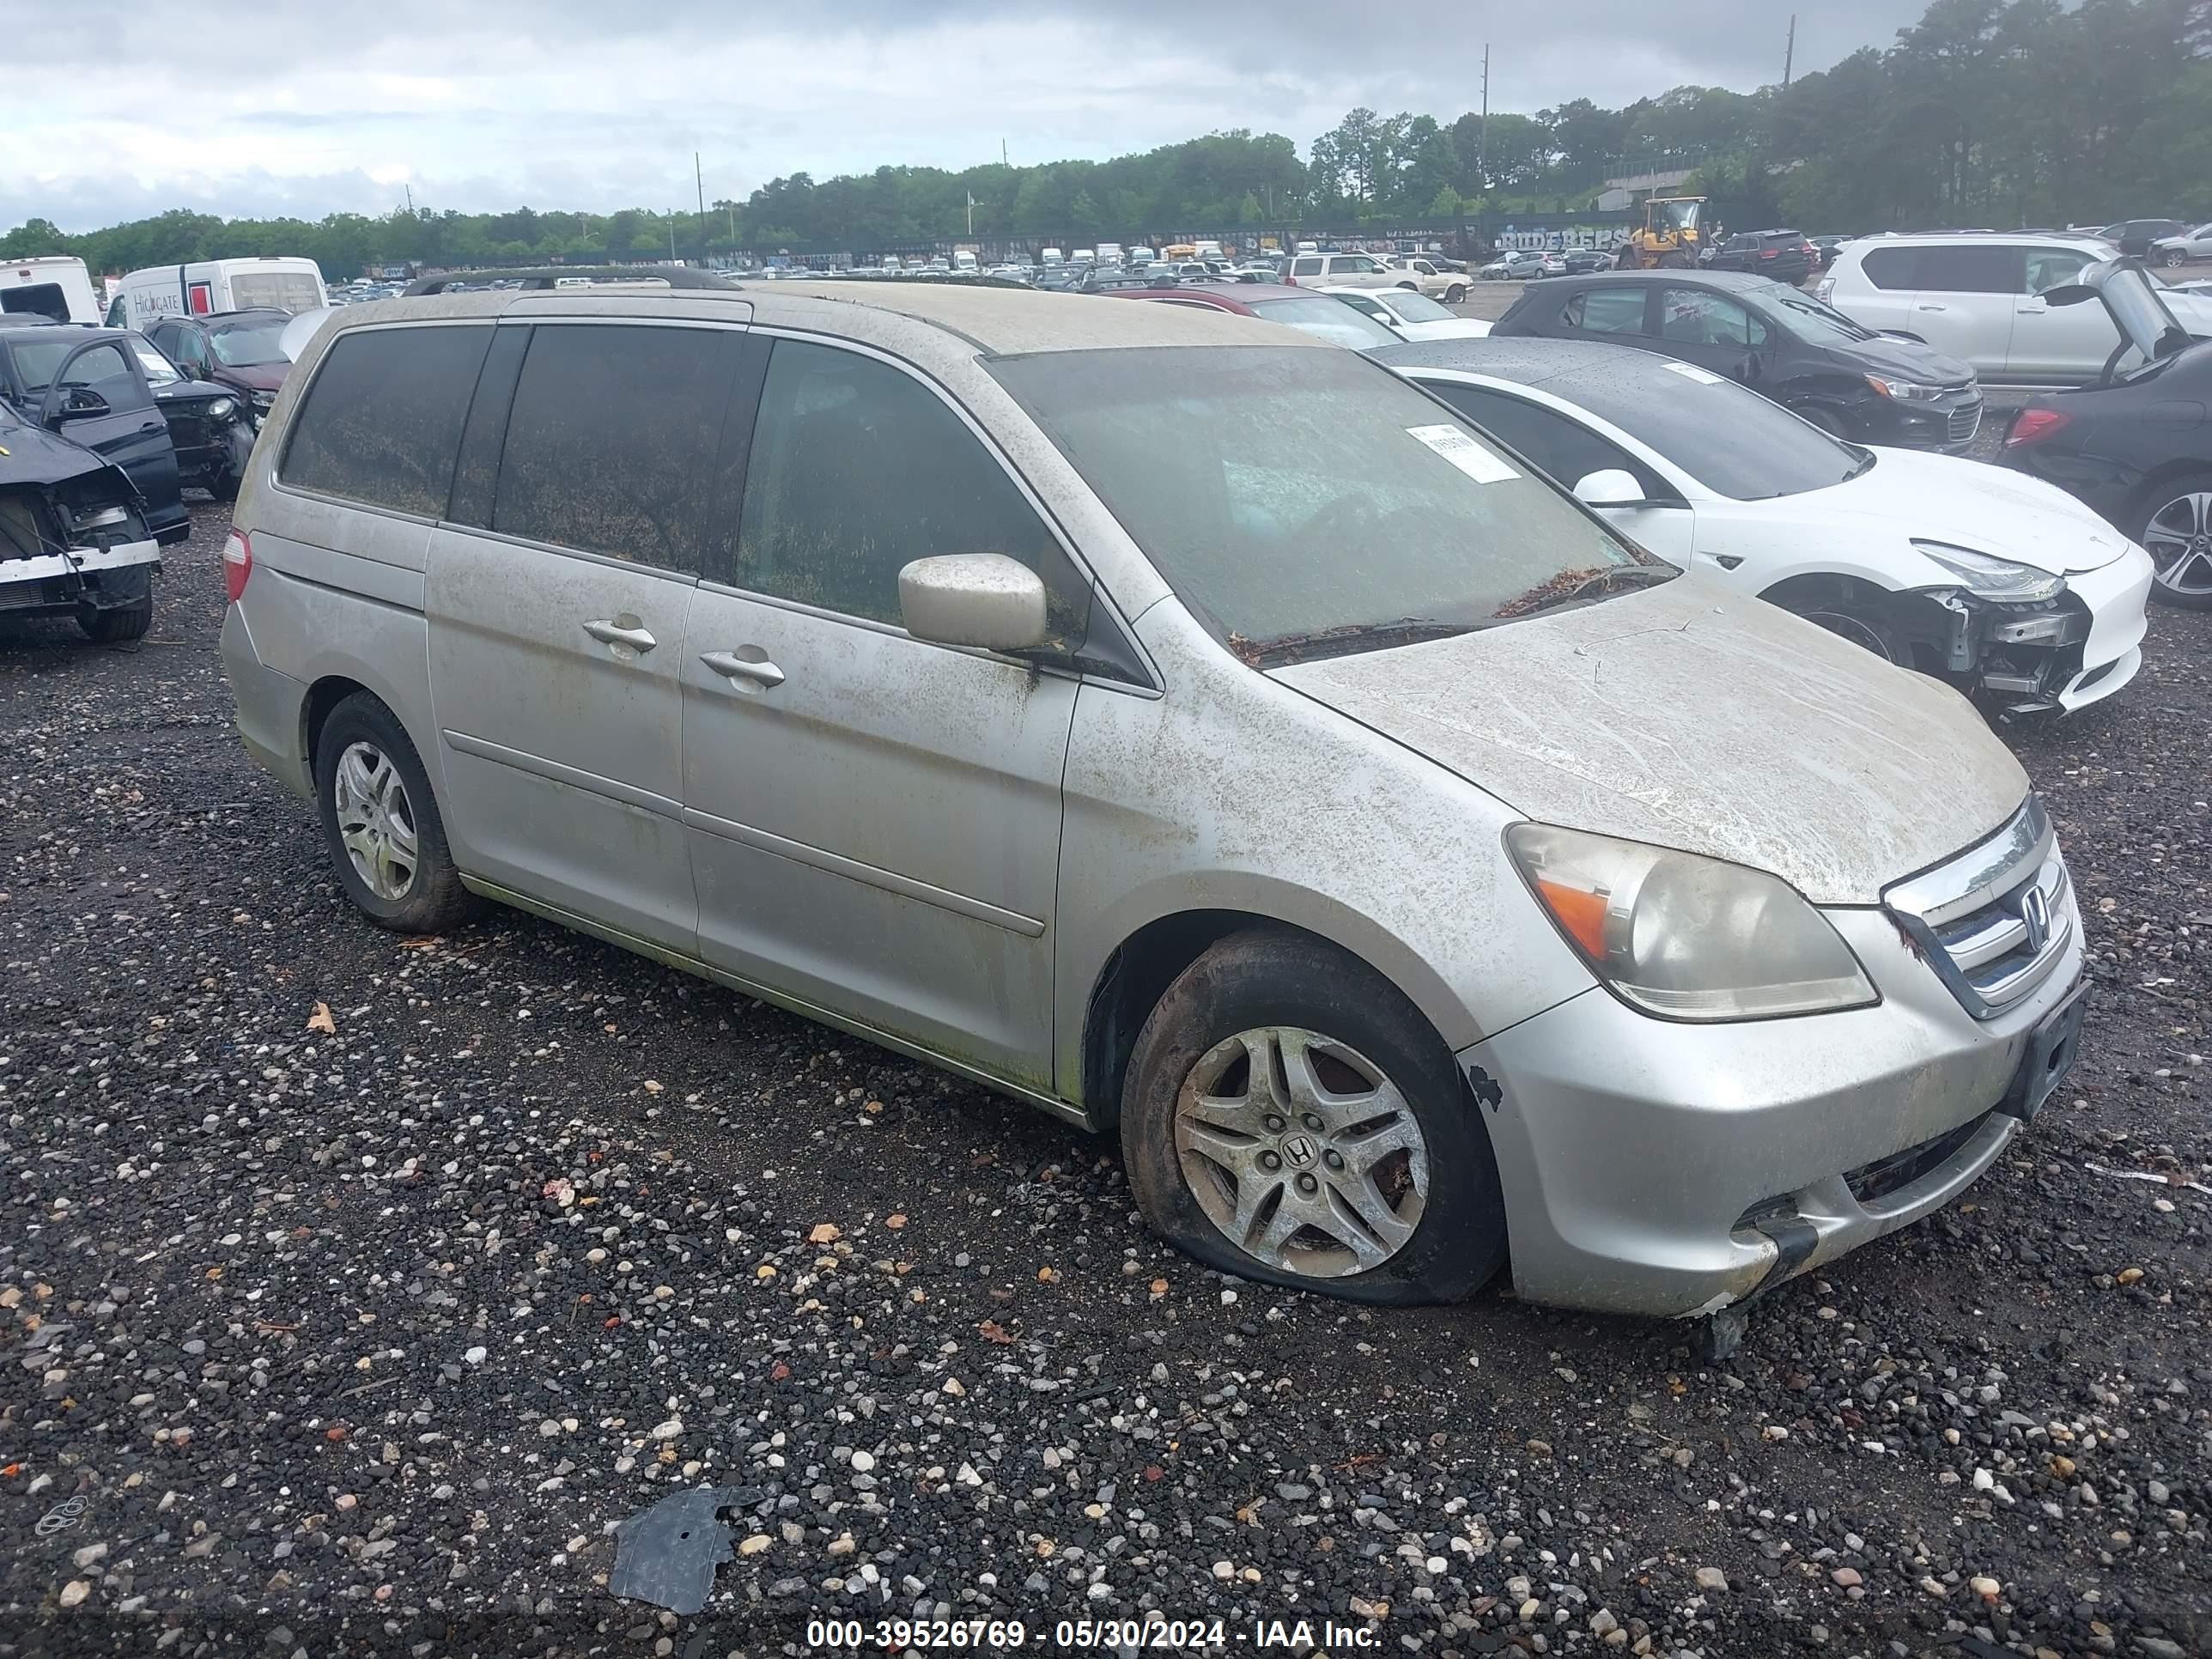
2034, 309
731, 666
609, 631
153, 426
1931, 307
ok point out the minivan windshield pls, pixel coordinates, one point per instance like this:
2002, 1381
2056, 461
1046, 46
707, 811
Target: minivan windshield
1286, 493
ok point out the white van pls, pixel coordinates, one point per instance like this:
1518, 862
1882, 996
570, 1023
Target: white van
1109, 253
1051, 256
963, 260
203, 287
55, 285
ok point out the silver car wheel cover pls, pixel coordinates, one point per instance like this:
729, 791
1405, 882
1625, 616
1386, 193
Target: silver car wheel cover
2178, 538
376, 822
1301, 1152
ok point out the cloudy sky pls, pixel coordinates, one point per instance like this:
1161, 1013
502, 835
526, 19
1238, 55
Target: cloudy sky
272, 107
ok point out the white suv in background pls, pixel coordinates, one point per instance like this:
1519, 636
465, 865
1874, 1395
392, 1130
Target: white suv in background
1977, 296
1340, 270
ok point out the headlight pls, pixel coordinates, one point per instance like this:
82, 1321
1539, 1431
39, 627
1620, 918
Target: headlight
222, 409
1907, 392
1988, 577
264, 400
1685, 937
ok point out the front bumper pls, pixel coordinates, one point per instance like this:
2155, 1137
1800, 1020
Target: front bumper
66, 584
1948, 424
1640, 1157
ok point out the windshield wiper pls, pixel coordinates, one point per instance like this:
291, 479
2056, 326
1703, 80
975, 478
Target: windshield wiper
1344, 637
1564, 589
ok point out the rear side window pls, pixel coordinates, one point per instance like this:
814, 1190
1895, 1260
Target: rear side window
611, 440
1977, 268
382, 422
1307, 267
857, 470
1566, 449
1606, 310
1891, 268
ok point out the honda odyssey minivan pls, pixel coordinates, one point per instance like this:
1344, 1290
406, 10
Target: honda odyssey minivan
1181, 724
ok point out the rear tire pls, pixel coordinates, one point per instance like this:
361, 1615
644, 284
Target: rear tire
2173, 523
381, 823
1355, 1164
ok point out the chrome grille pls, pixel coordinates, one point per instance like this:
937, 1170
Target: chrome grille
1966, 420
1994, 921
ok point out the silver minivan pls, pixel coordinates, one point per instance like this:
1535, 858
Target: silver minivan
1178, 723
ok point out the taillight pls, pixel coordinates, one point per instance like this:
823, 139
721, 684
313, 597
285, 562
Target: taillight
237, 564
1289, 280
2032, 426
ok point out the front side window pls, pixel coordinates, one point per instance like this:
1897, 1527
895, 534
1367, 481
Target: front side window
1693, 316
1606, 310
2054, 267
611, 440
382, 422
39, 361
1290, 493
857, 470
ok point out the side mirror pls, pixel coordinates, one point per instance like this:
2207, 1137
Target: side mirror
1609, 487
982, 599
75, 403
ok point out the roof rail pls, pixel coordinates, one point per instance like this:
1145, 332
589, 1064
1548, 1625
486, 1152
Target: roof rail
546, 276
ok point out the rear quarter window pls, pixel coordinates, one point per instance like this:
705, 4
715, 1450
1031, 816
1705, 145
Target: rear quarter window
1891, 268
382, 422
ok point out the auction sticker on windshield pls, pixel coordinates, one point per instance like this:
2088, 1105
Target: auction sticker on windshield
1691, 372
1463, 453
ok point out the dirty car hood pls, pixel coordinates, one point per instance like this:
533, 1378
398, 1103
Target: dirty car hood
1972, 504
1695, 718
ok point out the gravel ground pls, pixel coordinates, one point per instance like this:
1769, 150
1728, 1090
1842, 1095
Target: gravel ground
355, 1288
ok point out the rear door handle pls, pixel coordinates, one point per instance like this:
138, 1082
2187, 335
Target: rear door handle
607, 631
1931, 307
731, 666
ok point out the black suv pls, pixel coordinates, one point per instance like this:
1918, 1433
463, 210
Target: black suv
1783, 256
1847, 380
2134, 236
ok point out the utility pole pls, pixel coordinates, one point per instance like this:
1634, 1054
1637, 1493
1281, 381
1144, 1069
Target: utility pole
411, 197
699, 181
1790, 51
1003, 161
1482, 142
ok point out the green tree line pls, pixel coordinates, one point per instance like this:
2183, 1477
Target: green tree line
1986, 112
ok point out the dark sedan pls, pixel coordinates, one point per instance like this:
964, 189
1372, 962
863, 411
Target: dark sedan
1847, 380
209, 425
2138, 445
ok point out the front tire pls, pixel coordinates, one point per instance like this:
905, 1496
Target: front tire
2174, 258
119, 624
380, 822
2174, 524
1289, 1116
1825, 419
1848, 622
1456, 294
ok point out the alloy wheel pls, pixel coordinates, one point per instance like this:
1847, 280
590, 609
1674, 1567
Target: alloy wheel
375, 822
1858, 629
2178, 538
1302, 1153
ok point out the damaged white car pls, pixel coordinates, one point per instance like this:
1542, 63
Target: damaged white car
2006, 588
